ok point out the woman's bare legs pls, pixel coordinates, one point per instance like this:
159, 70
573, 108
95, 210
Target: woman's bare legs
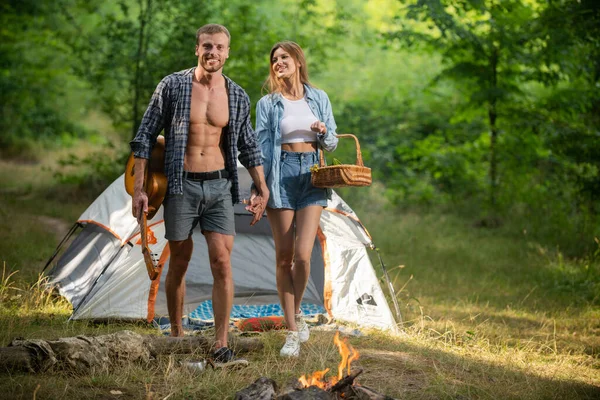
282, 226
307, 223
293, 251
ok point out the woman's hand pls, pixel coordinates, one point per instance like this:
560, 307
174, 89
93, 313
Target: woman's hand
318, 127
257, 204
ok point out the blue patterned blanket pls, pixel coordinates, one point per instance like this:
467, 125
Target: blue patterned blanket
204, 311
202, 317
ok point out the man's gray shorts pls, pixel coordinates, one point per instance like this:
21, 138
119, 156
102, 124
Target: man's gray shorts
206, 202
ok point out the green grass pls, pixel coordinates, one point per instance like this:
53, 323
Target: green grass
488, 313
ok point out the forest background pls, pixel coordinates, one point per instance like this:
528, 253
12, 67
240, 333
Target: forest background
479, 118
485, 106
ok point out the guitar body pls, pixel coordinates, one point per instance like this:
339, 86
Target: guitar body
155, 185
155, 182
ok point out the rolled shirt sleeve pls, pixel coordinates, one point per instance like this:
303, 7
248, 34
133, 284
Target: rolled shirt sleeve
264, 134
328, 141
248, 146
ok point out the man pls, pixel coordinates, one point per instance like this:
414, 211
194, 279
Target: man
206, 120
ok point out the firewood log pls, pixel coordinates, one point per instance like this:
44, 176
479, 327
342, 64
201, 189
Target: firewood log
345, 381
262, 389
309, 393
82, 354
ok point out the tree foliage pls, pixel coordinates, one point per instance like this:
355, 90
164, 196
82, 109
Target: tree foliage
460, 103
35, 76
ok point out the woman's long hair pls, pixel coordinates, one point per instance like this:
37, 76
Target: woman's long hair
273, 84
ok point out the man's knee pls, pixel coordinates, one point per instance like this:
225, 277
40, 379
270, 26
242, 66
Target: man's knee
181, 254
220, 265
220, 261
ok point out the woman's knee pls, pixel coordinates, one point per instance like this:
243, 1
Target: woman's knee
302, 261
285, 261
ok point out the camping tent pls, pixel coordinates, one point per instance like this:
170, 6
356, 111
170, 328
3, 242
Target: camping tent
102, 272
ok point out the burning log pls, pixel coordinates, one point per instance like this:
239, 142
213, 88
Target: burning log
81, 354
346, 389
262, 389
348, 380
315, 385
309, 393
292, 385
265, 389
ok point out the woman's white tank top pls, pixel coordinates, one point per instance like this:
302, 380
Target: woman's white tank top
296, 122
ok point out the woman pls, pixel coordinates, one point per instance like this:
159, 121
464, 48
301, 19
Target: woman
293, 122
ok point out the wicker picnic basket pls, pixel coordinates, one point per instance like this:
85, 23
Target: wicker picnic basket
342, 175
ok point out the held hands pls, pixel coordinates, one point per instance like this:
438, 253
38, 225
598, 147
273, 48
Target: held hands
139, 204
257, 204
318, 127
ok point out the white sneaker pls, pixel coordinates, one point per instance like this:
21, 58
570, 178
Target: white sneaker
291, 348
302, 326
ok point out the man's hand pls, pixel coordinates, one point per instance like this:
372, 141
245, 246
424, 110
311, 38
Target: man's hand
139, 199
260, 194
139, 204
318, 127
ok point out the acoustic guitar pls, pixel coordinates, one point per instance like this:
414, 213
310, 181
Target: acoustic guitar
155, 186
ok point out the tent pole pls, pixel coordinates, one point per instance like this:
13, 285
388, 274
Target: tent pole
76, 309
62, 242
389, 283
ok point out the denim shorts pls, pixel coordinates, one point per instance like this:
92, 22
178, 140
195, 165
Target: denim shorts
207, 203
296, 189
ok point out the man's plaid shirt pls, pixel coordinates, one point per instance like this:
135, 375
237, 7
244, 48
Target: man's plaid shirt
169, 110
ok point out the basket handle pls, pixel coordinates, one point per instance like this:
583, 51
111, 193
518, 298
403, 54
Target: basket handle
359, 160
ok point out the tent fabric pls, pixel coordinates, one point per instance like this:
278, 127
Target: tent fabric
94, 247
117, 220
102, 272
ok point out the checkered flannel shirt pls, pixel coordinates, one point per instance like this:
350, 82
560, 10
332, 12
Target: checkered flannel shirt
169, 110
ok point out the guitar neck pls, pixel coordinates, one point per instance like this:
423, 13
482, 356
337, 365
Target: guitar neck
144, 230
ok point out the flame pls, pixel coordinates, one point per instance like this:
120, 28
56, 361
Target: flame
348, 353
316, 379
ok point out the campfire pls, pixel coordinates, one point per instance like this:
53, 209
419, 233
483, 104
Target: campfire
317, 385
348, 354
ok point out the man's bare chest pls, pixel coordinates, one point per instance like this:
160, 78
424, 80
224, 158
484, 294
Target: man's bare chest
209, 106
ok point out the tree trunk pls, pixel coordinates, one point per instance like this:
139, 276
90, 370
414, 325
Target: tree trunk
145, 15
493, 129
82, 354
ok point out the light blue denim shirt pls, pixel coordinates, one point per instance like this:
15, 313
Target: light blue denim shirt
269, 112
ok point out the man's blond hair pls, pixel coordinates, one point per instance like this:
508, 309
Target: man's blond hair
211, 29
